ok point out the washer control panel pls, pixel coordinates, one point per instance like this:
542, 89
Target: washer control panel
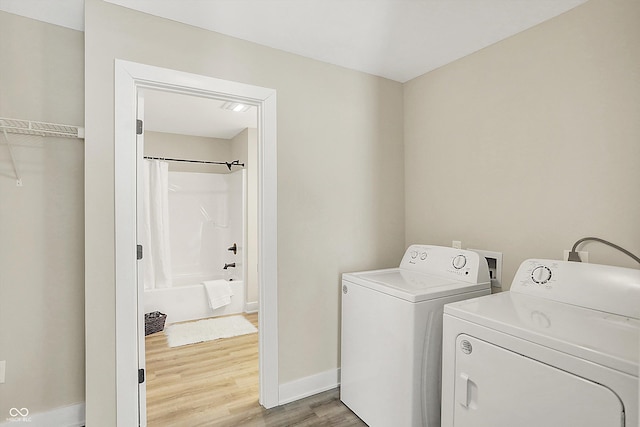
537, 274
459, 261
541, 275
600, 287
457, 264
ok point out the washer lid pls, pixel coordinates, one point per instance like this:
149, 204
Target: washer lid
409, 285
606, 339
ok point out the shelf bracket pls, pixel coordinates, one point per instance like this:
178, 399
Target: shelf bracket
16, 170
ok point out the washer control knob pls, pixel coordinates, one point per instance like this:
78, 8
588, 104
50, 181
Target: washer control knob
459, 261
414, 254
423, 256
541, 275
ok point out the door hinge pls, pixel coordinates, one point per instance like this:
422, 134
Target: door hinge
140, 376
139, 252
138, 127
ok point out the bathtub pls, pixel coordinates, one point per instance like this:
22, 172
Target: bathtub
184, 302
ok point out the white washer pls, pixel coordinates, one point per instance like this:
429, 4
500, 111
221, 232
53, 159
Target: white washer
560, 349
392, 333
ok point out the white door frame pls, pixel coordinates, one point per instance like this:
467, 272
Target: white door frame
142, 360
129, 77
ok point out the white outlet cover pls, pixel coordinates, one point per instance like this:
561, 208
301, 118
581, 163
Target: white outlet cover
456, 244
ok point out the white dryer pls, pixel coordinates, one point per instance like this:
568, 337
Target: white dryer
392, 333
560, 349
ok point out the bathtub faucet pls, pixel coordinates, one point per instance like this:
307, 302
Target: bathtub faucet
233, 248
233, 264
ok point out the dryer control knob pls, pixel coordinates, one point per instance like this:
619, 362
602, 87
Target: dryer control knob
541, 275
459, 261
414, 254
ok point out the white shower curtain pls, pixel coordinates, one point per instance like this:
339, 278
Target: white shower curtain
155, 230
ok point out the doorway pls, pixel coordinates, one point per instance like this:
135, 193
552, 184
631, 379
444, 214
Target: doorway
198, 232
129, 79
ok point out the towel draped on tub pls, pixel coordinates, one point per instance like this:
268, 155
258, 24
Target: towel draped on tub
219, 293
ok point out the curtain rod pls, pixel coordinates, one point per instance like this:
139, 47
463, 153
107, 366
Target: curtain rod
206, 162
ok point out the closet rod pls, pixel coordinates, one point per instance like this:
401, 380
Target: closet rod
206, 162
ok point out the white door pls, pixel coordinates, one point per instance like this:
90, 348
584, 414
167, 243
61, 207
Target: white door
142, 386
495, 387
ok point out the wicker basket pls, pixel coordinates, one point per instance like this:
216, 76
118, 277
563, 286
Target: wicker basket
154, 322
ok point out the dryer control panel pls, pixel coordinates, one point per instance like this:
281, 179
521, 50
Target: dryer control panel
456, 264
599, 287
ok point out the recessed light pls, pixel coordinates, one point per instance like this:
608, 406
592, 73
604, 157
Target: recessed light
235, 106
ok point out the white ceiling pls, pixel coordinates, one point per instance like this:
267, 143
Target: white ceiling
191, 115
396, 39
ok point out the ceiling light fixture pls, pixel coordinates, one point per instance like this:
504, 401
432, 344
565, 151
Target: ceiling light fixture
235, 106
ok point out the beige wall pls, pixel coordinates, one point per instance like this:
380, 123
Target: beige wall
340, 180
532, 143
240, 146
41, 223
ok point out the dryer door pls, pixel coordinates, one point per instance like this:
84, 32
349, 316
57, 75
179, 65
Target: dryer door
499, 388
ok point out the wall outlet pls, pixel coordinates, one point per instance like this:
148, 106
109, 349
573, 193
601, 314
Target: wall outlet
3, 368
456, 244
494, 261
584, 255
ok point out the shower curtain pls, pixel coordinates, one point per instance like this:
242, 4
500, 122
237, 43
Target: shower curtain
155, 229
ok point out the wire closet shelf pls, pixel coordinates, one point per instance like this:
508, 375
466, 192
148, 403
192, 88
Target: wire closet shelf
30, 127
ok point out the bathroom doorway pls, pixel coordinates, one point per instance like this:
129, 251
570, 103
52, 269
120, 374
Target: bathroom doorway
198, 229
199, 167
130, 78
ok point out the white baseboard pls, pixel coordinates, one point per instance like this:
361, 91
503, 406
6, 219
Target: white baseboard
308, 386
251, 307
66, 416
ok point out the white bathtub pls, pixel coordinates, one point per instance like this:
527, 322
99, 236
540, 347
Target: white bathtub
189, 302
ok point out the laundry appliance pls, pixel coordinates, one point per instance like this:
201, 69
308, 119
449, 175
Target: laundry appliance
559, 349
392, 333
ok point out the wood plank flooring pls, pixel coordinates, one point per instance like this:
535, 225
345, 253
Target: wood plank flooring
216, 384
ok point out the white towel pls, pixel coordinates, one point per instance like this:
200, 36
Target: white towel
219, 293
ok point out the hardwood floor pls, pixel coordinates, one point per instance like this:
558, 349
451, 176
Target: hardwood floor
216, 384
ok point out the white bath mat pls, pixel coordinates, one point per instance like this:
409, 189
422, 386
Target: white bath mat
208, 330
